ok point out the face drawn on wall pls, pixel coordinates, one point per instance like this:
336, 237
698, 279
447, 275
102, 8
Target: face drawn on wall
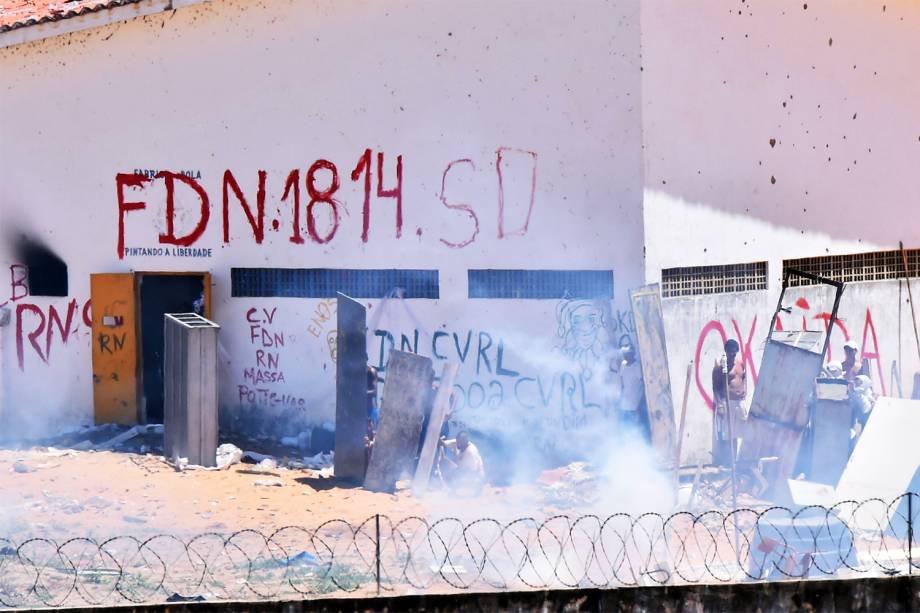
582, 330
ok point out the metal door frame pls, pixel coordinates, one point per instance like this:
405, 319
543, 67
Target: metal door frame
818, 279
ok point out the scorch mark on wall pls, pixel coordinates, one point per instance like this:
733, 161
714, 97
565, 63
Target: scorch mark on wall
36, 324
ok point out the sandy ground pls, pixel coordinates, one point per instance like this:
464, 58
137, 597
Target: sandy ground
61, 493
108, 493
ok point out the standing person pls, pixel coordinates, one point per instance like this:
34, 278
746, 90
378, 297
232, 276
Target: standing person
373, 407
735, 386
373, 414
852, 364
631, 412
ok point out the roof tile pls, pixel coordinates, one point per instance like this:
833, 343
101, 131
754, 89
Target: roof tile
23, 13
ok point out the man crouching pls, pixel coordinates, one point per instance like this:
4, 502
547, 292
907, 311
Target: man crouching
461, 464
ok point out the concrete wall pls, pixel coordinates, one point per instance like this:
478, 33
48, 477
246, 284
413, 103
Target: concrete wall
869, 594
771, 131
778, 130
554, 89
875, 314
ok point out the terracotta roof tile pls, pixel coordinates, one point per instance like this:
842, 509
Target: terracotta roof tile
22, 13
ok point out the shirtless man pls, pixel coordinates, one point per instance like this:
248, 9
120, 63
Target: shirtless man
737, 391
852, 365
461, 464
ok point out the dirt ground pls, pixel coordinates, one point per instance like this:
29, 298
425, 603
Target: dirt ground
63, 493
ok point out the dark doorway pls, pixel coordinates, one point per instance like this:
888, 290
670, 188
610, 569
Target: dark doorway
161, 294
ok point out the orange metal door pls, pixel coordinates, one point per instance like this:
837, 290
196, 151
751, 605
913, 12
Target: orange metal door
114, 348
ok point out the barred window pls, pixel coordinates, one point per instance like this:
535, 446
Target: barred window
325, 282
719, 279
874, 266
540, 284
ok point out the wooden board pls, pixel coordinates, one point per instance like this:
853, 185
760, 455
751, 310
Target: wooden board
433, 433
350, 389
653, 355
406, 394
114, 345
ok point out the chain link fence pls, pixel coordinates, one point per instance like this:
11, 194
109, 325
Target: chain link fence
386, 556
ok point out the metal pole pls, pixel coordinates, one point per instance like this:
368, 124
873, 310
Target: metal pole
733, 449
910, 533
910, 297
377, 549
731, 436
779, 305
683, 421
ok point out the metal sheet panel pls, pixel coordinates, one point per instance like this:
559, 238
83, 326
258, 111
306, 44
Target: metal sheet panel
653, 354
190, 388
830, 446
350, 389
406, 397
779, 408
887, 456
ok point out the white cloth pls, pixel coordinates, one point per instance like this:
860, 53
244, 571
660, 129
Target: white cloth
631, 387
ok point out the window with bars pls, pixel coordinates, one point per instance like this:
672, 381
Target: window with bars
718, 279
325, 282
540, 284
874, 266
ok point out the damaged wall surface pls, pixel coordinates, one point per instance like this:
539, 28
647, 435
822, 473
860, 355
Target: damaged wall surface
778, 130
423, 136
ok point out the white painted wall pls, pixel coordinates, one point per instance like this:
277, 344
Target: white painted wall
771, 131
250, 86
834, 84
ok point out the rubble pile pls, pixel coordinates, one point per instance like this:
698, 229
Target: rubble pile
571, 486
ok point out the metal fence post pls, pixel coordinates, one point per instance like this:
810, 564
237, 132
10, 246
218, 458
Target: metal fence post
910, 533
377, 549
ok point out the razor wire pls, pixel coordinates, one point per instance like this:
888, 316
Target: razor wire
386, 556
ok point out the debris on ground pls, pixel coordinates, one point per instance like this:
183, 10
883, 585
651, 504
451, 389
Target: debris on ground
253, 457
53, 452
304, 557
266, 465
269, 483
319, 461
120, 439
179, 598
228, 454
574, 485
20, 467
